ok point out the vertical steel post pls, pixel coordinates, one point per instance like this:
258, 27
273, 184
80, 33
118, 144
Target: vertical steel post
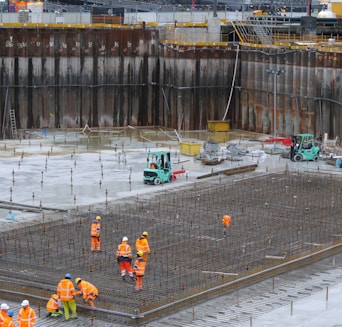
275, 104
275, 74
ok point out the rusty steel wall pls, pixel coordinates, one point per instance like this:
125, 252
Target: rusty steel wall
113, 77
70, 77
309, 95
197, 83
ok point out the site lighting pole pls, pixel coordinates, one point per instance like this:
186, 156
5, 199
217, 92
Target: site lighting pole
275, 73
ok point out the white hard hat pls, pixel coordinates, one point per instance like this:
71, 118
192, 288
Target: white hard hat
4, 306
124, 239
25, 303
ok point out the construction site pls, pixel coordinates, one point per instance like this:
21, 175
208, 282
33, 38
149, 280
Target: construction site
283, 216
175, 71
83, 104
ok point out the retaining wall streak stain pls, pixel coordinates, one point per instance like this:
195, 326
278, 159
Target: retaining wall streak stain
69, 77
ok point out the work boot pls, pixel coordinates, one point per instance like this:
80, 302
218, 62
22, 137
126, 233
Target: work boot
132, 279
124, 278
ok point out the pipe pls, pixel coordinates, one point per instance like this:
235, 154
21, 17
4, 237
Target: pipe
233, 83
275, 257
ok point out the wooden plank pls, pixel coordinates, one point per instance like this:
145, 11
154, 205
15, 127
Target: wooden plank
230, 171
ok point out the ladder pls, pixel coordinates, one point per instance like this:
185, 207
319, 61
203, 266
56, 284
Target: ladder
256, 30
263, 31
13, 124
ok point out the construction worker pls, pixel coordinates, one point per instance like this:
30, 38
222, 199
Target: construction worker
10, 322
226, 221
66, 292
3, 313
139, 270
53, 306
26, 316
88, 290
141, 244
124, 258
95, 235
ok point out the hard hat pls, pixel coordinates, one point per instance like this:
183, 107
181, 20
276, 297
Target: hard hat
25, 303
125, 239
145, 233
98, 217
55, 296
140, 253
4, 306
10, 313
77, 280
68, 276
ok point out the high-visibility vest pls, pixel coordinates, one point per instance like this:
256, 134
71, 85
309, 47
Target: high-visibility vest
226, 221
139, 267
3, 316
26, 317
142, 245
124, 250
66, 290
9, 322
95, 229
52, 305
87, 289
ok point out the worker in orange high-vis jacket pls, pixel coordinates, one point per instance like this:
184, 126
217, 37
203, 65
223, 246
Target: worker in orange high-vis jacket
67, 293
26, 316
95, 234
124, 258
226, 221
9, 321
141, 244
139, 270
88, 291
52, 306
3, 313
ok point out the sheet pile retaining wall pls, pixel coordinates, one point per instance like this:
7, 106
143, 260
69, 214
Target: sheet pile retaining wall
117, 76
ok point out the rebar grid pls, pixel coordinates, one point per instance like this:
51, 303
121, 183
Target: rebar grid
273, 216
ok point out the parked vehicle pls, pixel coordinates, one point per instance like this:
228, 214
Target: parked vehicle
158, 168
303, 148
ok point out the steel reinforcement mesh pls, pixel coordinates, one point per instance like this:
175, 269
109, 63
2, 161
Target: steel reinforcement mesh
275, 215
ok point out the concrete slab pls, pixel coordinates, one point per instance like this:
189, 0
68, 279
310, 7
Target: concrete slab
64, 172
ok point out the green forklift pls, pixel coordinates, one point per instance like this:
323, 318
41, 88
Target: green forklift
158, 168
303, 148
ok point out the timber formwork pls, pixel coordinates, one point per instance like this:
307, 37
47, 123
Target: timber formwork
276, 218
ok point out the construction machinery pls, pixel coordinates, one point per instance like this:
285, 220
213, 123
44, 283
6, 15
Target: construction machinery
303, 148
158, 168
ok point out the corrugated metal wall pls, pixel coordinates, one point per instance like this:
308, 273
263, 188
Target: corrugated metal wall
309, 98
112, 77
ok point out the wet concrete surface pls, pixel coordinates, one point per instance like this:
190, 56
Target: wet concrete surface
67, 170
